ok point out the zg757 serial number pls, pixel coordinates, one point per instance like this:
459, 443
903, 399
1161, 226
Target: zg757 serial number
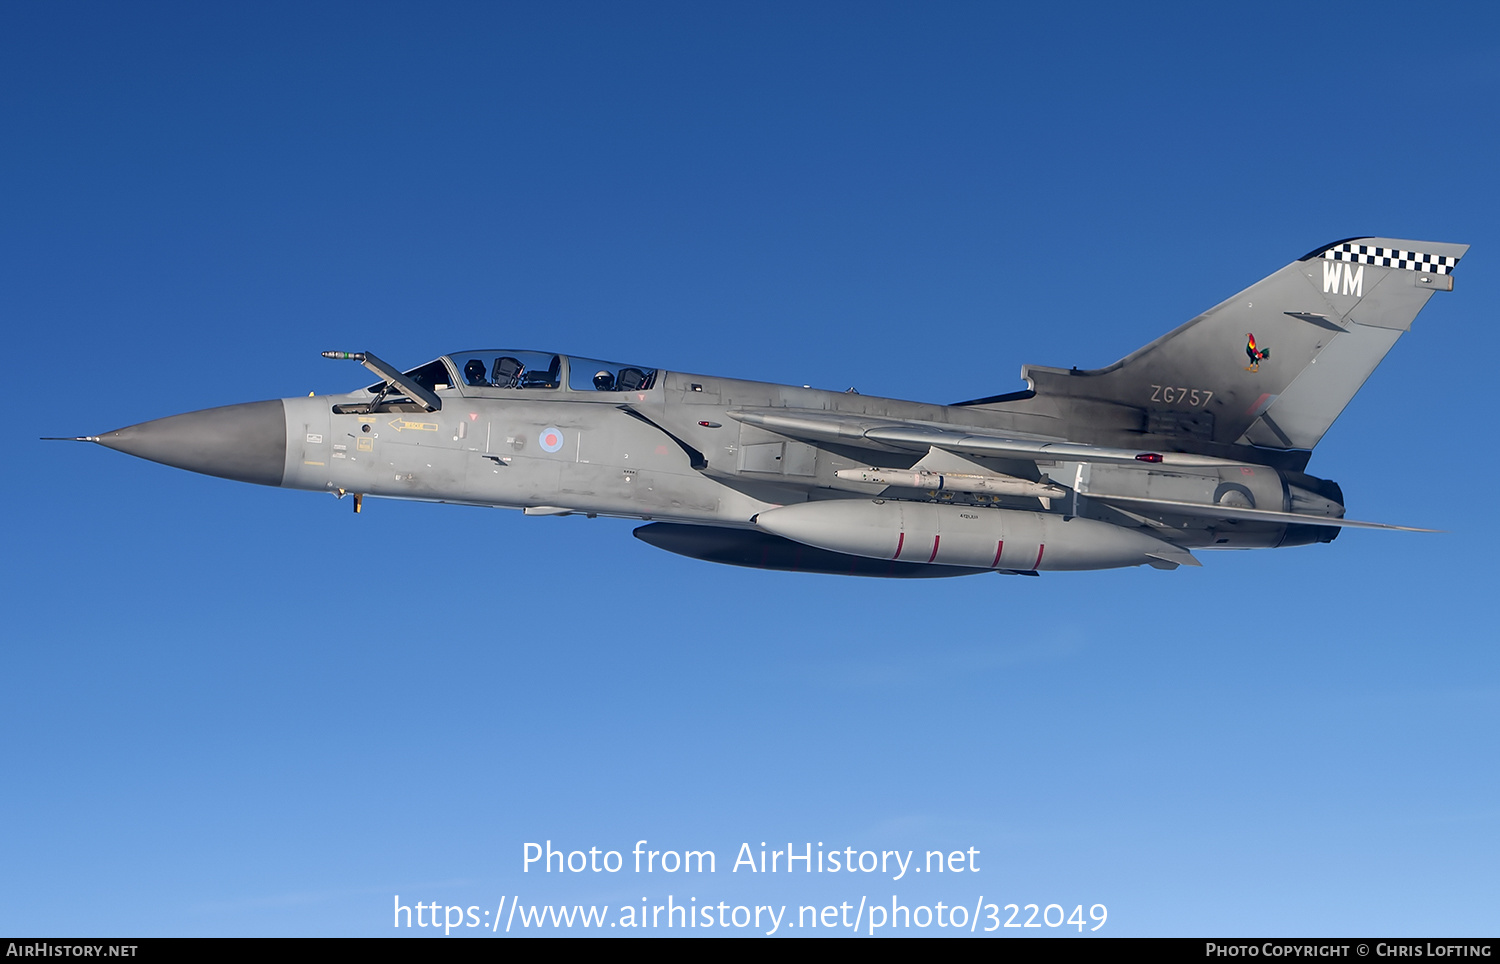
1194, 397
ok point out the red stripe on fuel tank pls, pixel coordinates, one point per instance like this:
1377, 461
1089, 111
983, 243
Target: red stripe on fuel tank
1039, 550
899, 543
999, 548
935, 541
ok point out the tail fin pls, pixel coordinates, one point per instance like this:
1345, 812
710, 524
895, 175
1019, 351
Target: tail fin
1273, 366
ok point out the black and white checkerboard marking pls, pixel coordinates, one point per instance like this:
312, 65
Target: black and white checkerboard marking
1391, 258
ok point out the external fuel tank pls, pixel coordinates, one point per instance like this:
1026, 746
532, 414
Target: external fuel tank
972, 537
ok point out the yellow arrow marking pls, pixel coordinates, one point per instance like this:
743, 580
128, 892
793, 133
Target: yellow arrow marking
400, 423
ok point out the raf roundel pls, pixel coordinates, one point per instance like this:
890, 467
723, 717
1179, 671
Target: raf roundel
551, 439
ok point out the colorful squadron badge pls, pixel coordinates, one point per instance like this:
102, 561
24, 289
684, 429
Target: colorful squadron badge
1256, 354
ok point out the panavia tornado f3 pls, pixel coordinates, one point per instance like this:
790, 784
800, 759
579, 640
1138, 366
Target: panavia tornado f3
1199, 440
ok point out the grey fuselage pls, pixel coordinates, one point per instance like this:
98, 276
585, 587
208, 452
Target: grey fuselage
1198, 439
675, 453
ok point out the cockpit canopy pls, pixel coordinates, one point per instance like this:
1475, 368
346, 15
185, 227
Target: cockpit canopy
492, 372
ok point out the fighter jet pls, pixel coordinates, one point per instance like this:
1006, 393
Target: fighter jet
1179, 446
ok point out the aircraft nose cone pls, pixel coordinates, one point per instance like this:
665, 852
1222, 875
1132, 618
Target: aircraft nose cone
242, 442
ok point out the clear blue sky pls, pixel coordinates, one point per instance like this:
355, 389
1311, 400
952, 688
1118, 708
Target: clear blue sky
240, 710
